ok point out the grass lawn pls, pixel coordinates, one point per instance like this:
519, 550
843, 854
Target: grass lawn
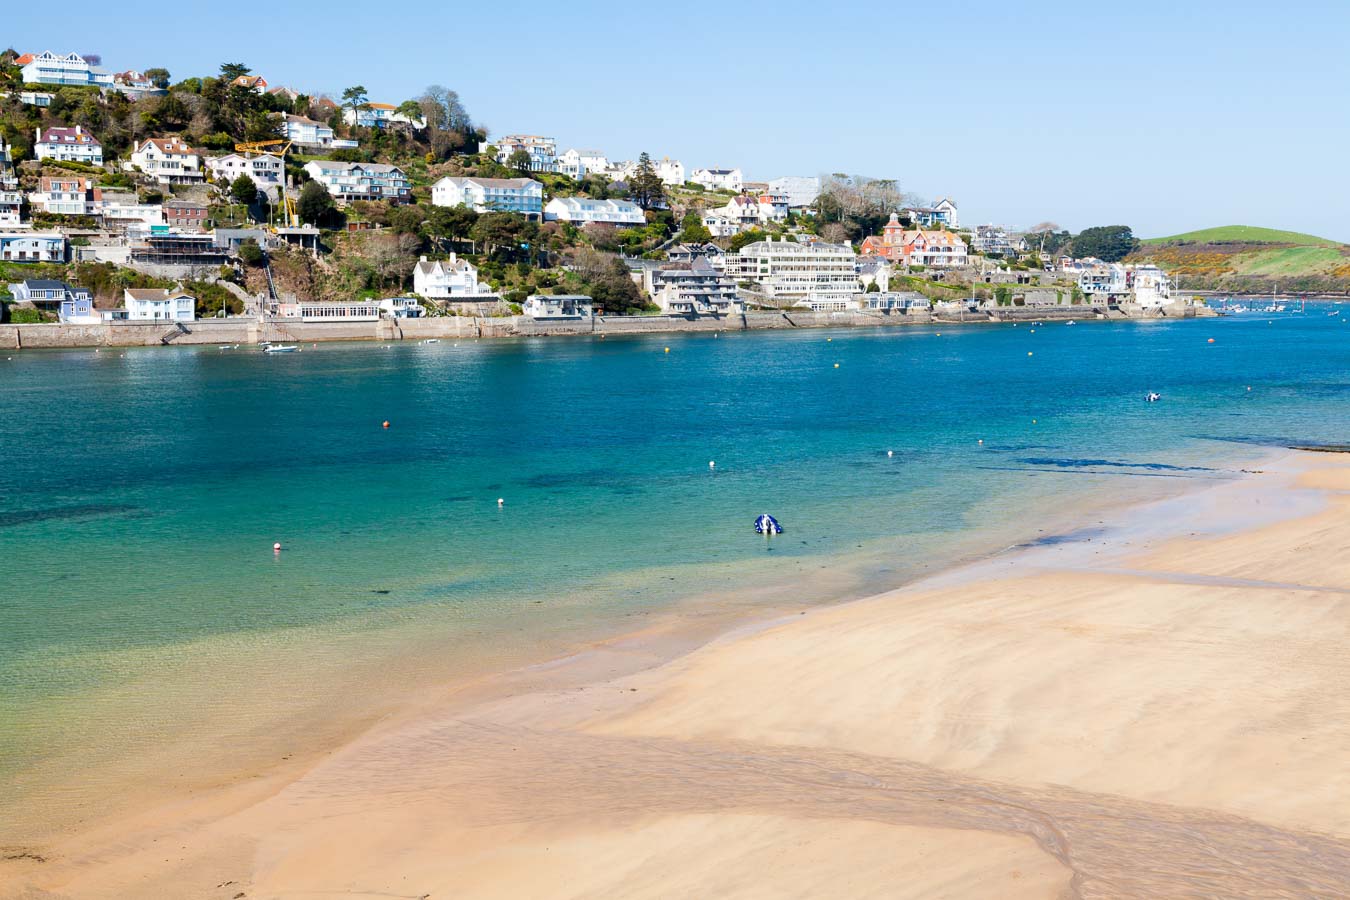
1288, 261
1245, 234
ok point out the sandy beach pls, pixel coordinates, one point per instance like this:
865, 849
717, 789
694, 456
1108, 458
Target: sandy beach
1156, 706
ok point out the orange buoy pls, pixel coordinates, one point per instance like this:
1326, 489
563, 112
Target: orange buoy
1211, 340
386, 423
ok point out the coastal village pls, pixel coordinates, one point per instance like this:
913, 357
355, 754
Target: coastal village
128, 198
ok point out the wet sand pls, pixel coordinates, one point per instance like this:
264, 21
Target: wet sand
1156, 707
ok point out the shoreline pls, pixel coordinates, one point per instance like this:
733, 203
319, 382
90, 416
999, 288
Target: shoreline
631, 664
125, 778
251, 331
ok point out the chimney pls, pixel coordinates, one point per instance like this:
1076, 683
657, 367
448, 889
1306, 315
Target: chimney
79, 129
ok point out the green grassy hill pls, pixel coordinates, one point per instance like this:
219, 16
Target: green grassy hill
1246, 234
1247, 258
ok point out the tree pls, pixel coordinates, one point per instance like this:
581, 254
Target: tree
745, 238
443, 110
410, 109
519, 160
1041, 230
1109, 243
158, 77
449, 223
860, 205
243, 190
504, 231
250, 253
230, 71
407, 219
645, 186
315, 202
354, 97
693, 231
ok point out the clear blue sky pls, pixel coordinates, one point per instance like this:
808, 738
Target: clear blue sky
1163, 116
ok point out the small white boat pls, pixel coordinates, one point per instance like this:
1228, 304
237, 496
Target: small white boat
432, 341
1071, 322
281, 348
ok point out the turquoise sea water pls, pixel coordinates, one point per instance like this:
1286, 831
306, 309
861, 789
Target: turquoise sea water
141, 492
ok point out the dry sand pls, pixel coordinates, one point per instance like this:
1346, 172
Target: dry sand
1131, 715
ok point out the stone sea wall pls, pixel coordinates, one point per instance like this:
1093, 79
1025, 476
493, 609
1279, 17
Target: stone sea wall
251, 331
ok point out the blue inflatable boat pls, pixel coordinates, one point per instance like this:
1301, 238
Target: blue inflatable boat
767, 524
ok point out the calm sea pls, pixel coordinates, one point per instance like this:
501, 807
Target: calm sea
142, 608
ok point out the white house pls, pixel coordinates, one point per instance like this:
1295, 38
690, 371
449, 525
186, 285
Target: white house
53, 68
718, 179
821, 275
11, 198
380, 115
752, 210
68, 144
580, 163
348, 181
585, 211
66, 195
801, 191
123, 212
266, 171
167, 161
401, 308
670, 171
26, 246
1108, 279
158, 305
1152, 288
721, 225
543, 151
558, 306
450, 279
136, 85
521, 195
309, 133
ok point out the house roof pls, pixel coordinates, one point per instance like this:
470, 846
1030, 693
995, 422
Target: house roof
168, 145
156, 294
492, 182
443, 266
47, 181
43, 284
301, 120
25, 59
350, 166
184, 204
59, 135
381, 106
249, 81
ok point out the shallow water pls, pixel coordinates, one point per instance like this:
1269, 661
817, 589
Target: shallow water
142, 606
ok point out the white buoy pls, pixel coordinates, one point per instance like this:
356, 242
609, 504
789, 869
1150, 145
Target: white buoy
711, 464
980, 441
276, 548
890, 453
500, 502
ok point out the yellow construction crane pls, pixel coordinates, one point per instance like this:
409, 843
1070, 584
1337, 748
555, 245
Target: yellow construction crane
289, 211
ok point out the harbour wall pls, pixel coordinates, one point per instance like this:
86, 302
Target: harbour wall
252, 331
